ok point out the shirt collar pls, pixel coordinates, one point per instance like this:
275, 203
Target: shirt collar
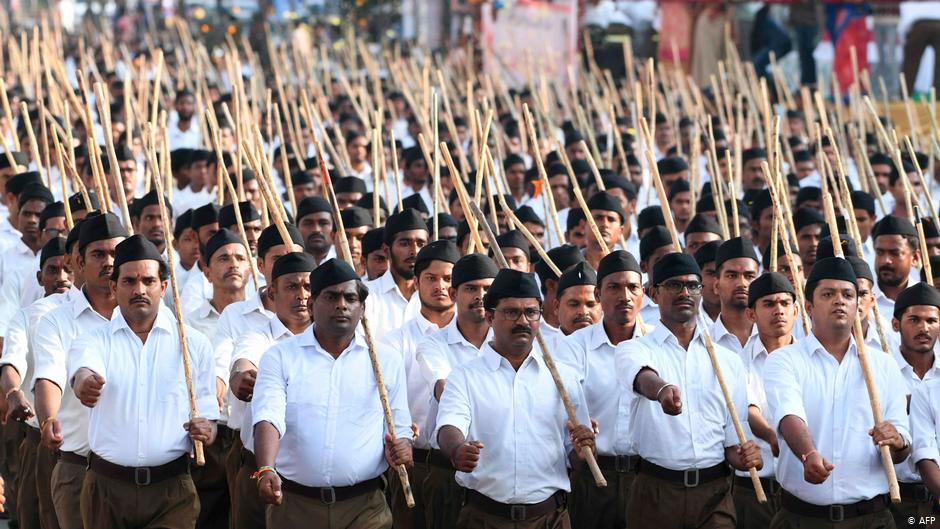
661, 334
494, 360
307, 339
453, 336
253, 304
165, 321
719, 330
905, 367
812, 345
598, 336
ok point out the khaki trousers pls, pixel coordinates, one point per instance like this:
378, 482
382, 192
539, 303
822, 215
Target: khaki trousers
402, 516
663, 504
442, 496
752, 514
599, 507
114, 504
367, 511
248, 511
472, 517
45, 463
67, 479
212, 485
27, 500
785, 519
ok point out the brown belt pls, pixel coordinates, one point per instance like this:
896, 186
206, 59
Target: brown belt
916, 492
73, 458
692, 477
516, 512
431, 457
834, 513
33, 435
248, 458
619, 464
140, 476
331, 495
770, 485
224, 432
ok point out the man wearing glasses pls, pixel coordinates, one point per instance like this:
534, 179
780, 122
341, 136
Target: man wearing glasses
502, 424
685, 452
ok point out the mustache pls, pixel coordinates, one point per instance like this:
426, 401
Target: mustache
521, 329
586, 319
106, 271
143, 299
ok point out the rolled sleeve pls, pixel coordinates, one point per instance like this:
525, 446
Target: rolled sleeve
16, 345
923, 425
784, 393
86, 352
630, 358
454, 408
432, 360
269, 402
50, 352
251, 346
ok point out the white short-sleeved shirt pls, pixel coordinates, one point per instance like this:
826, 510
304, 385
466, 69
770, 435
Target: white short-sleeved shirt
907, 469
806, 381
386, 307
138, 420
237, 319
520, 419
756, 355
725, 338
925, 423
697, 437
327, 410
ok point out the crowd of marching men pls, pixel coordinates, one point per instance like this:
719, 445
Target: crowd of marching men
550, 313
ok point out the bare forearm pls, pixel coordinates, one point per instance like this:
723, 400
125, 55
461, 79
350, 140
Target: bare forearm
930, 473
797, 435
449, 438
48, 399
80, 377
648, 383
759, 426
9, 379
267, 442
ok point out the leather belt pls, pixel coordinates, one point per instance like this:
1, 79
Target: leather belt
770, 485
73, 458
432, 457
692, 477
33, 435
140, 476
331, 495
248, 459
916, 492
420, 455
834, 513
620, 464
224, 432
516, 512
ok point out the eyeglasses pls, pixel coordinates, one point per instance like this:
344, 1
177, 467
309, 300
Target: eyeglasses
531, 314
676, 287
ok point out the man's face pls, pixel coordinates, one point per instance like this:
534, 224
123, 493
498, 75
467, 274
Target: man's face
403, 251
765, 225
434, 286
752, 176
28, 220
621, 296
346, 199
150, 225
187, 247
512, 328
537, 231
291, 295
559, 185
694, 241
774, 314
139, 290
354, 238
734, 278
317, 229
664, 135
671, 178
417, 173
893, 259
866, 297
658, 253
55, 276
805, 168
882, 176
577, 236
577, 308
783, 266
807, 240
678, 298
97, 260
266, 263
469, 299
865, 222
302, 191
338, 309
681, 205
834, 305
252, 232
185, 107
128, 169
54, 227
376, 264
516, 258
636, 175
358, 150
228, 267
919, 327
576, 151
515, 177
610, 226
447, 233
710, 284
253, 193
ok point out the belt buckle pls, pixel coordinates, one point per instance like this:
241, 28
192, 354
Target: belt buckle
693, 482
836, 513
517, 513
328, 495
142, 476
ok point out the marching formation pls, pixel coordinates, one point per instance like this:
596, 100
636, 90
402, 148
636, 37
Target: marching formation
356, 287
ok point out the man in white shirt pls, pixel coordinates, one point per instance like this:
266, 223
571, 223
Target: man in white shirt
186, 245
917, 319
610, 218
896, 251
147, 220
392, 301
433, 267
564, 257
184, 132
686, 443
772, 307
575, 303
289, 291
502, 424
437, 355
737, 266
63, 421
328, 441
315, 221
829, 466
591, 350
130, 373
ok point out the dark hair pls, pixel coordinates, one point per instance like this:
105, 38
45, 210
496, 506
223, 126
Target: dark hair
163, 271
810, 289
491, 304
361, 290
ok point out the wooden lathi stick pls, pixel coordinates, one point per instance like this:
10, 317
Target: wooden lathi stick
181, 328
104, 116
546, 355
923, 246
373, 357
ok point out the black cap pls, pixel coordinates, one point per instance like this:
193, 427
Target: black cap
830, 268
271, 237
444, 220
753, 154
331, 272
292, 263
671, 165
184, 221
35, 192
19, 158
409, 219
472, 267
564, 257
917, 294
150, 199
135, 248
56, 209
862, 200
862, 270
578, 275
19, 181
373, 240
616, 261
218, 240
366, 202
706, 253
356, 217
575, 217
702, 223
100, 228
53, 248
673, 265
893, 225
311, 205
414, 201
679, 186
735, 248
649, 217
604, 201
781, 253
72, 236
77, 202
204, 215
654, 239
807, 217
513, 239
768, 283
439, 250
826, 249
227, 214
349, 184
511, 283
761, 202
527, 214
